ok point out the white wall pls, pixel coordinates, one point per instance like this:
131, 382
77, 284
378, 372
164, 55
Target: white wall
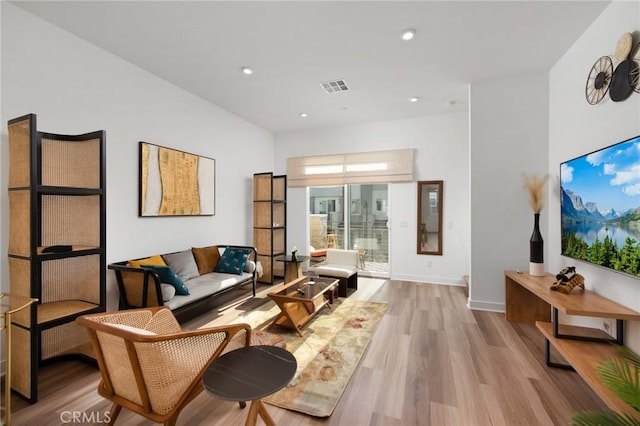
75, 87
441, 153
509, 137
577, 128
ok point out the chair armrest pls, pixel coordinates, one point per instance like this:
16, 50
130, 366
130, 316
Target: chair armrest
139, 287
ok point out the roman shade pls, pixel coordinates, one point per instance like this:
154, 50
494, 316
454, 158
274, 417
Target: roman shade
352, 168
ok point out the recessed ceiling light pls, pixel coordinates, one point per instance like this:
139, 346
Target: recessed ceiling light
304, 115
414, 99
408, 34
247, 71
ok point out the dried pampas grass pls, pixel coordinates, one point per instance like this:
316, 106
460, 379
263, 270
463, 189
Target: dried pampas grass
536, 187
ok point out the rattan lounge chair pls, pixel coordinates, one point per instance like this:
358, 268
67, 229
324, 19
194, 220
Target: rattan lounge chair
149, 365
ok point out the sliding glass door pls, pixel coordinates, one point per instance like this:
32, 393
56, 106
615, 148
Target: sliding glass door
352, 217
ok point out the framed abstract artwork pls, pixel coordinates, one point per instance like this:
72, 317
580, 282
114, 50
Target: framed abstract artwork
175, 183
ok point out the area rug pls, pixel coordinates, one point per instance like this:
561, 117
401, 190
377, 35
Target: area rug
327, 354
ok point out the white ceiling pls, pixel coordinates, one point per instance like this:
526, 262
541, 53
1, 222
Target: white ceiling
294, 45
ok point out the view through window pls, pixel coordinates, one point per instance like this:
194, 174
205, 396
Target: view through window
352, 217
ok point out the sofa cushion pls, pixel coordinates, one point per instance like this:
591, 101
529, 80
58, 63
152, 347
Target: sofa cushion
168, 276
153, 260
250, 266
206, 285
340, 271
168, 291
233, 260
183, 264
206, 258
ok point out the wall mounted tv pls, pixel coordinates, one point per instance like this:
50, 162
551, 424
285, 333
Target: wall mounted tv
600, 207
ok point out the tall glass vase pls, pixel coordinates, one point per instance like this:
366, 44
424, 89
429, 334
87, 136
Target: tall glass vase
536, 249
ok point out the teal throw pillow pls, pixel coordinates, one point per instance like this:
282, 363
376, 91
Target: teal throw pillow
233, 260
168, 276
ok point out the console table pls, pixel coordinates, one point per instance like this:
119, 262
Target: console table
530, 300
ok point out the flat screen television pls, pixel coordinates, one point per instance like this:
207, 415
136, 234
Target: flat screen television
600, 207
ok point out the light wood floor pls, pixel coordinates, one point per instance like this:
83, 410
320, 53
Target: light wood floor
432, 361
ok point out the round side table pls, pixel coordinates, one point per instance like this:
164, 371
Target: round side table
292, 267
249, 374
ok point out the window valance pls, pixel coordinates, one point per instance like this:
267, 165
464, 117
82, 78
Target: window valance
361, 167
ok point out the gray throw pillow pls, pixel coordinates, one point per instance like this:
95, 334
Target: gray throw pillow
183, 263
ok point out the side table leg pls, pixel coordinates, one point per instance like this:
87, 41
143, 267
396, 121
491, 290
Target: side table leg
266, 417
258, 409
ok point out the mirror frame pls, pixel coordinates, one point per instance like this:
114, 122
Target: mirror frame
425, 185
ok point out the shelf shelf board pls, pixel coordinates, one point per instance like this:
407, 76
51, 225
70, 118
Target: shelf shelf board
66, 309
74, 248
585, 357
66, 190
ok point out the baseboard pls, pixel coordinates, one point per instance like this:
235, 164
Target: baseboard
480, 305
427, 279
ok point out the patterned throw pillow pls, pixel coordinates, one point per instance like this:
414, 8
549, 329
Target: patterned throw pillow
233, 260
168, 276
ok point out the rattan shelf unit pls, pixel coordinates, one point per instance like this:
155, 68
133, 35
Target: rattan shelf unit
56, 197
270, 223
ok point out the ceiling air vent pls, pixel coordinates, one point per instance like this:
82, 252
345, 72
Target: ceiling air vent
334, 86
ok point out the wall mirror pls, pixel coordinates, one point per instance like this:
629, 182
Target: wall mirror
430, 217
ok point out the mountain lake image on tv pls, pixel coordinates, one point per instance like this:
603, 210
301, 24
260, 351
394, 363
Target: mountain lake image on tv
600, 207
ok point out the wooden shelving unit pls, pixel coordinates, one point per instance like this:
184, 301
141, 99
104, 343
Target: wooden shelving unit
529, 300
56, 197
270, 223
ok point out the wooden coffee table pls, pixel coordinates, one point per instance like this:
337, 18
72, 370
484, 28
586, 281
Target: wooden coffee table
301, 299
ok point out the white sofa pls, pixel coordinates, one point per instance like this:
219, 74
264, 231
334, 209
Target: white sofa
341, 264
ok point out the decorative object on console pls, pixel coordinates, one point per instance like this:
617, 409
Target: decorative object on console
567, 279
175, 183
536, 190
